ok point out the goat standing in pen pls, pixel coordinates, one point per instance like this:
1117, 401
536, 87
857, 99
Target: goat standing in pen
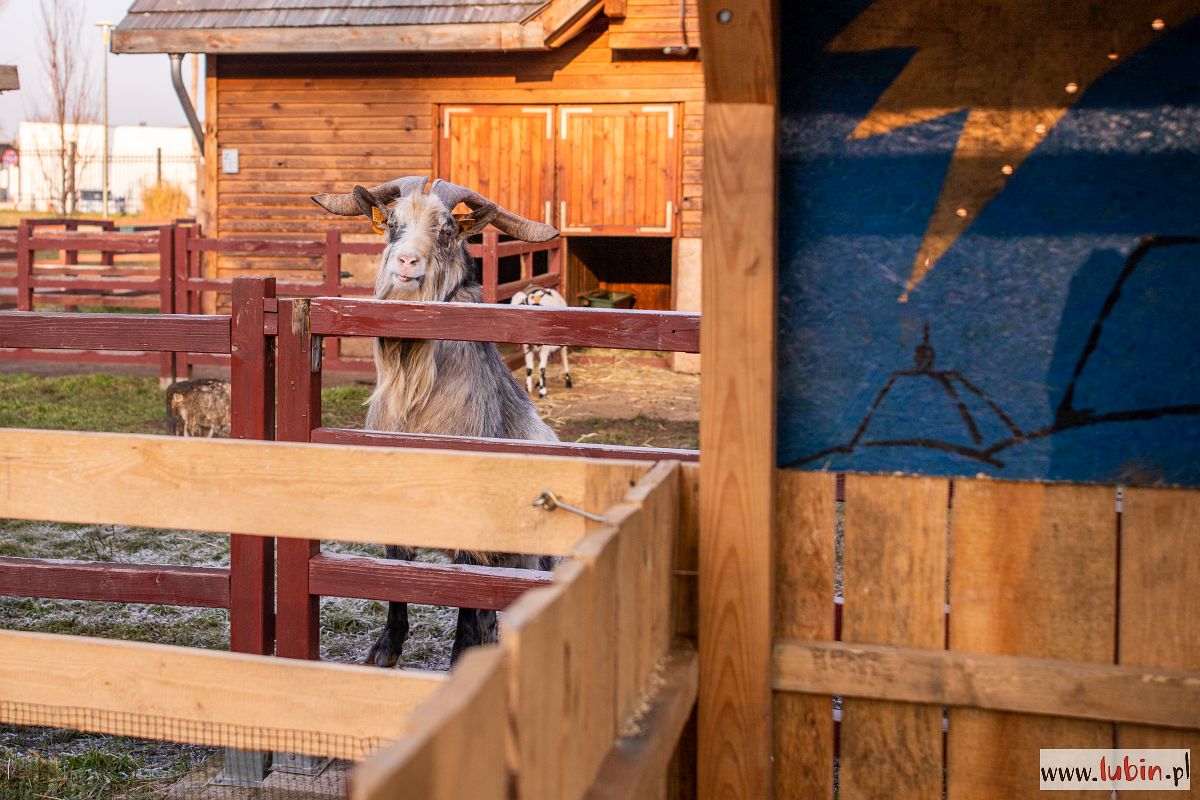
445, 387
546, 298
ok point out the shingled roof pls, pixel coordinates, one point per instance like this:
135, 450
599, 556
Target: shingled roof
274, 26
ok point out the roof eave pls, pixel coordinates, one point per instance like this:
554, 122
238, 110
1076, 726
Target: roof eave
443, 38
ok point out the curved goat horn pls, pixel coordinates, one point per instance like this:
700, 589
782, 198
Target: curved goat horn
512, 224
346, 206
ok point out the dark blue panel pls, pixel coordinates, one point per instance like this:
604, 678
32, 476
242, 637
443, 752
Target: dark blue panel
1058, 337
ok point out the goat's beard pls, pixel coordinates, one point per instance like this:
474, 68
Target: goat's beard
445, 274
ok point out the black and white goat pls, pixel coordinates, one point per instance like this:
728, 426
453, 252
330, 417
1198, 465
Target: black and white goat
447, 387
546, 298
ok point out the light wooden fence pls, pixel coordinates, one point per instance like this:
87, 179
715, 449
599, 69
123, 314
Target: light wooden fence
1039, 615
586, 695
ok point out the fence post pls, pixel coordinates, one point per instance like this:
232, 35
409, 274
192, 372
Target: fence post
298, 620
333, 280
70, 257
252, 407
491, 264
166, 296
179, 288
106, 256
24, 266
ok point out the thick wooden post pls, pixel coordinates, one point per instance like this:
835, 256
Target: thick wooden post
166, 292
737, 430
333, 280
106, 256
179, 289
298, 622
24, 267
70, 257
252, 385
491, 264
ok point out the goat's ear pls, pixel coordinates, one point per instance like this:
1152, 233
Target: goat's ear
365, 202
476, 221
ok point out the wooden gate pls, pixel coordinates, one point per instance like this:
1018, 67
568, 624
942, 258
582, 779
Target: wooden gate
618, 170
603, 170
506, 153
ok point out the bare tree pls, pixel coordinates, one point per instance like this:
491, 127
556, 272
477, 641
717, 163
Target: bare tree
72, 100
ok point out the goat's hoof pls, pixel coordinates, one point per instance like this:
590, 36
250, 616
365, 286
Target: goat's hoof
569, 384
384, 653
542, 393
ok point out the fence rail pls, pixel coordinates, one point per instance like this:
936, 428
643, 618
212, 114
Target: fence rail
247, 336
176, 280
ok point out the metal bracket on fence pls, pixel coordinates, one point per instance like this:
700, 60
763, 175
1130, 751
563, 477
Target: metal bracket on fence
242, 768
299, 764
549, 502
317, 342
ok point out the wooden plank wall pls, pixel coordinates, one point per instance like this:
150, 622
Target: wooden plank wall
304, 124
655, 24
1045, 577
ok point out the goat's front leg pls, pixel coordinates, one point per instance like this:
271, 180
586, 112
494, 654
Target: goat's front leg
566, 367
389, 647
543, 356
528, 368
475, 626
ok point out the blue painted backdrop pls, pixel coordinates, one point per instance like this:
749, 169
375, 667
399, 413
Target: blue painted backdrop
1053, 339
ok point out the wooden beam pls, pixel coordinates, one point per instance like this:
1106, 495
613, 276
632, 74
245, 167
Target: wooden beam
562, 20
454, 748
9, 79
737, 436
737, 430
118, 583
429, 441
204, 697
450, 37
336, 575
360, 494
477, 322
77, 331
741, 41
635, 765
616, 9
1044, 686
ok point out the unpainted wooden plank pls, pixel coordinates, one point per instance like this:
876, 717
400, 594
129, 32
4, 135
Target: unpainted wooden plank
804, 566
737, 435
634, 767
454, 747
1160, 603
895, 593
204, 697
532, 633
299, 490
1033, 573
1048, 687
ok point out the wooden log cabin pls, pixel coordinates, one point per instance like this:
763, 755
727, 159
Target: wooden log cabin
585, 113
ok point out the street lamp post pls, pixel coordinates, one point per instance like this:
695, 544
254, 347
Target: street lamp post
106, 33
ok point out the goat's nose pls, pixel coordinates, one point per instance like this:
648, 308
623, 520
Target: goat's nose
407, 260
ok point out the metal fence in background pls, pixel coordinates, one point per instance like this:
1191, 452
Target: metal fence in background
37, 184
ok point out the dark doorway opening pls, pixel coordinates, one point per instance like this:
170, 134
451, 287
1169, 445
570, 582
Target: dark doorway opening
639, 265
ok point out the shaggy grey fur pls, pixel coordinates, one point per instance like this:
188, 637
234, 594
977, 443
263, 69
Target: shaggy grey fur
444, 387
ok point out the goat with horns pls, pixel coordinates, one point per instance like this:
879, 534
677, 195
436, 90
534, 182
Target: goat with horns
444, 387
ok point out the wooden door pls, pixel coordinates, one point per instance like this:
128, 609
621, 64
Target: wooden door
506, 153
618, 170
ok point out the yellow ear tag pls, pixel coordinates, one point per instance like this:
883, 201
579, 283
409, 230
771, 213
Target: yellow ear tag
376, 218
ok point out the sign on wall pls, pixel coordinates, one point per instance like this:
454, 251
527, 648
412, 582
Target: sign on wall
990, 239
